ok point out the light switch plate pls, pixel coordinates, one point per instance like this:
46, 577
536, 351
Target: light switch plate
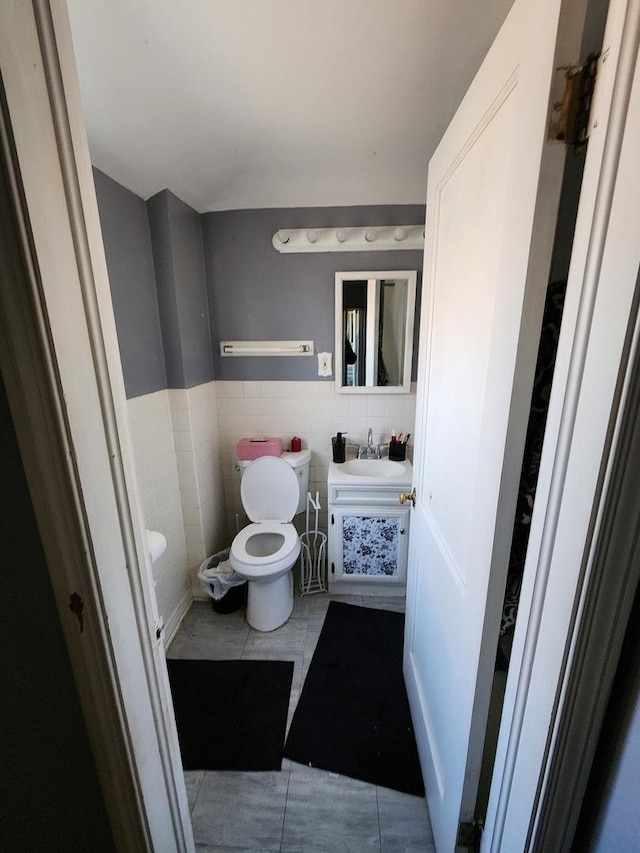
324, 364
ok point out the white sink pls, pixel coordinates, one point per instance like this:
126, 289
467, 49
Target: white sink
371, 472
373, 468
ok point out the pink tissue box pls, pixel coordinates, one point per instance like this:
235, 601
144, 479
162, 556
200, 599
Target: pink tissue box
253, 448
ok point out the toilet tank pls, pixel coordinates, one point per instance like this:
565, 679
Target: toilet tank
300, 462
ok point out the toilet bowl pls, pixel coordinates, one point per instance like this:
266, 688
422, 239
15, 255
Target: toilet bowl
265, 551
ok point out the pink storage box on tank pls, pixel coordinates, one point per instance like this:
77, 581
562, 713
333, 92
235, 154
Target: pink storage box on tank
254, 448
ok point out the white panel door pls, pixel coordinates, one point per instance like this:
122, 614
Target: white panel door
492, 199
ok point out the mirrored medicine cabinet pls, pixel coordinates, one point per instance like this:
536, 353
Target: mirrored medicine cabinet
374, 331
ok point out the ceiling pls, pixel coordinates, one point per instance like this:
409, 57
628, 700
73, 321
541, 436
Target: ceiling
236, 104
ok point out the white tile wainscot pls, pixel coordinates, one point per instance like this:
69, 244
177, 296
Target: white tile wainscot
184, 444
159, 489
311, 410
199, 461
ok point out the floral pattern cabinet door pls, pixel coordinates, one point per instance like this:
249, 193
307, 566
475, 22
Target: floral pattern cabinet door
368, 548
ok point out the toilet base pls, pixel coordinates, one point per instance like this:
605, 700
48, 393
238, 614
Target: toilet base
269, 604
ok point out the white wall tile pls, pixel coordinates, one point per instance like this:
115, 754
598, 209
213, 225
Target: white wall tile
151, 428
185, 452
196, 552
358, 406
233, 389
183, 440
180, 419
199, 461
312, 410
252, 389
178, 399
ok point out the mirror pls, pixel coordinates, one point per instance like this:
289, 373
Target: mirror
374, 331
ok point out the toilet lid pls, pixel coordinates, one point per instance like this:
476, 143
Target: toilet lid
269, 490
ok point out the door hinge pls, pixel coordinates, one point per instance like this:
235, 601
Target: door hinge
333, 521
469, 835
333, 568
158, 629
570, 115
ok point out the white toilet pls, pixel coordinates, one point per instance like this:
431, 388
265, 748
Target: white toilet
273, 489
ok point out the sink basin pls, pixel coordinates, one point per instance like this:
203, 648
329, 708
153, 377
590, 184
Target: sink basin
371, 473
378, 468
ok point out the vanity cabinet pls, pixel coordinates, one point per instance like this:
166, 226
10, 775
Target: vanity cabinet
368, 539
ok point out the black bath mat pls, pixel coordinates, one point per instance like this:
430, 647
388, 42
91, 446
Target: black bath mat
231, 714
353, 715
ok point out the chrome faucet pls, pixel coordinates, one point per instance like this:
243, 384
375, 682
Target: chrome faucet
369, 450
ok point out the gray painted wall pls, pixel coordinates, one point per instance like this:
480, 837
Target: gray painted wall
49, 790
171, 313
127, 243
176, 237
181, 282
256, 293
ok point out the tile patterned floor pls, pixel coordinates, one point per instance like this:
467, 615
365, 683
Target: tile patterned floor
299, 809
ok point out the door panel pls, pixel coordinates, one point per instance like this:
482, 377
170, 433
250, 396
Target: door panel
470, 204
492, 199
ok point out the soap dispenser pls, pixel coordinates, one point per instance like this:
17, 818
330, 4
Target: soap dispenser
338, 444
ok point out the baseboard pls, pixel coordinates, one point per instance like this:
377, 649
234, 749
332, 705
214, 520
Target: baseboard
176, 619
358, 587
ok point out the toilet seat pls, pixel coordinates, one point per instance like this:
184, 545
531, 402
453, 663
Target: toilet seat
254, 566
269, 490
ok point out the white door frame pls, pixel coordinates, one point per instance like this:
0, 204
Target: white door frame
586, 448
60, 363
68, 404
601, 624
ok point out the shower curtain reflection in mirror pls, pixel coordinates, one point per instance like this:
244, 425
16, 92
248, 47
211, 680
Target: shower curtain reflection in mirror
374, 326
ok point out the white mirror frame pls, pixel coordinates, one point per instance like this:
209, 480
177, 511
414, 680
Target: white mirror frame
340, 277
